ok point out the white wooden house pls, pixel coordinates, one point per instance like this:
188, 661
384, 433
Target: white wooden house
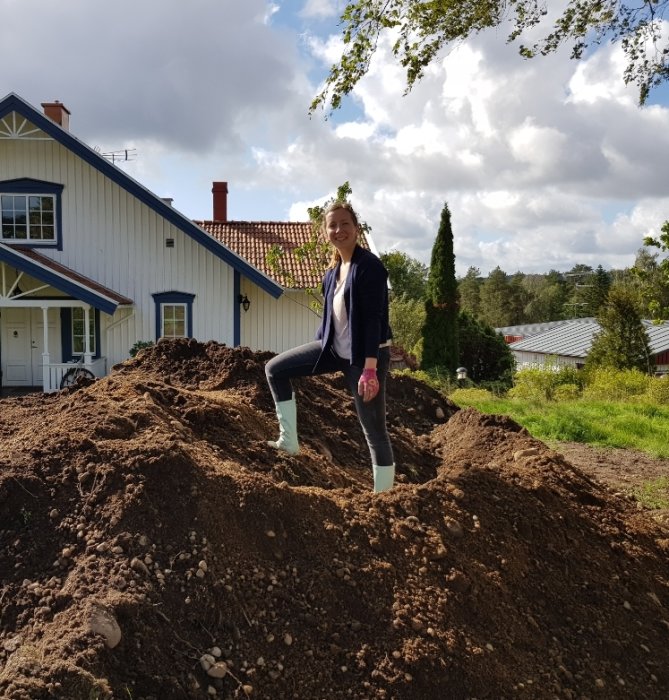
92, 262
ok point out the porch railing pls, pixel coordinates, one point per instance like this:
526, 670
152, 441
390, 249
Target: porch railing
57, 369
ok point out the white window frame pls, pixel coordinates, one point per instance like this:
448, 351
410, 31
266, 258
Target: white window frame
184, 320
30, 227
81, 337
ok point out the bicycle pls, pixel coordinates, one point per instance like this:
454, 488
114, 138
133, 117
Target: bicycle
75, 374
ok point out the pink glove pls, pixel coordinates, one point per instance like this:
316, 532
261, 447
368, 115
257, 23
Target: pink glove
368, 385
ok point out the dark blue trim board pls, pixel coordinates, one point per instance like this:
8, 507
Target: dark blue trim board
236, 314
14, 103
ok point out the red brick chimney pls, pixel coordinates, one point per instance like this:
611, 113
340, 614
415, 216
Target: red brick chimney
220, 192
58, 112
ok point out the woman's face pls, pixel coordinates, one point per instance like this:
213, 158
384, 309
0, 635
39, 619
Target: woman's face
341, 230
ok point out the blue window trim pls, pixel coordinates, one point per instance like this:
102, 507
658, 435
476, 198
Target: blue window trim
66, 334
174, 298
26, 186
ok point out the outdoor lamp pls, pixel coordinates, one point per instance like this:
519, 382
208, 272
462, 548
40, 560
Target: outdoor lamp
244, 301
461, 373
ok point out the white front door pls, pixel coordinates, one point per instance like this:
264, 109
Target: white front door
23, 345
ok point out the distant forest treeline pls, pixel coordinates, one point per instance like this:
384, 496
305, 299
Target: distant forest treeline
501, 299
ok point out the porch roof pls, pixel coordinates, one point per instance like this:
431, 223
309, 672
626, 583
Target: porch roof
62, 278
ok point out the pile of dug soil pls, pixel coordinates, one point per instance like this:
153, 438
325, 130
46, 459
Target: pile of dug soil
152, 546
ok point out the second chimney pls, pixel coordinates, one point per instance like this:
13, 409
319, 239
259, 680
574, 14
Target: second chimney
57, 112
220, 192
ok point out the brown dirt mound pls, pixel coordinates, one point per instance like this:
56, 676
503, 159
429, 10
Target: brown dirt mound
150, 501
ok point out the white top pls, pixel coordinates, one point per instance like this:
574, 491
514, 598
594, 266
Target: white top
342, 340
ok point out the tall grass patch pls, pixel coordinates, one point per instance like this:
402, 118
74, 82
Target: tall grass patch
658, 390
609, 384
547, 383
653, 494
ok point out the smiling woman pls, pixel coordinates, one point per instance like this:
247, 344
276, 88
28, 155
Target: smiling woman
354, 339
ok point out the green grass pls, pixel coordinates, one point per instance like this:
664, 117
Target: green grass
628, 425
654, 494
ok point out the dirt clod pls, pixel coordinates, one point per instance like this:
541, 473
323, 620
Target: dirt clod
152, 545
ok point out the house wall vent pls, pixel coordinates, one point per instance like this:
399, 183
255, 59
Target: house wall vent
169, 243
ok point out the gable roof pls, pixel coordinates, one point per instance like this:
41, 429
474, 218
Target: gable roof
14, 103
574, 339
254, 240
570, 339
658, 334
63, 278
524, 330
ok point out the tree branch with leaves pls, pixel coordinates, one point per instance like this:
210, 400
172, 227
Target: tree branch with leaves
314, 254
423, 29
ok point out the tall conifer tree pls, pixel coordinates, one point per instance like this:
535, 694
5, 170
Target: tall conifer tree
440, 332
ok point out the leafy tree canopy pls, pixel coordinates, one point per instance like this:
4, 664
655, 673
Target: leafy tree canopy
315, 253
407, 317
408, 276
484, 353
424, 28
658, 305
622, 342
440, 332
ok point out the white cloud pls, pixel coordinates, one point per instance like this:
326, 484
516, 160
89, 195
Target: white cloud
321, 9
271, 9
543, 163
188, 74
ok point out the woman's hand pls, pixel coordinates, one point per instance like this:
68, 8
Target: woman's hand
368, 385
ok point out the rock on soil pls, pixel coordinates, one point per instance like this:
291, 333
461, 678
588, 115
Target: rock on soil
153, 546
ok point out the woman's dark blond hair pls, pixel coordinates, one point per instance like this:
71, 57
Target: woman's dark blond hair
333, 206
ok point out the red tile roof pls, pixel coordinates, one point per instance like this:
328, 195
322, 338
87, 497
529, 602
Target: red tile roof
253, 240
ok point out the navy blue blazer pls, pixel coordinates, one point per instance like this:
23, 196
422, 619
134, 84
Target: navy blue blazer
366, 299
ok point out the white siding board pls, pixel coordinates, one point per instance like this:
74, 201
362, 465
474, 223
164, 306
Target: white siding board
277, 324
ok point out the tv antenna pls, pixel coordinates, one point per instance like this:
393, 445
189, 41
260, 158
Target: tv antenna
121, 155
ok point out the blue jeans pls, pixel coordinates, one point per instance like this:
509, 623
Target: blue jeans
301, 362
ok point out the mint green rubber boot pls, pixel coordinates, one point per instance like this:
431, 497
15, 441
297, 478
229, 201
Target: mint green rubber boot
384, 478
286, 412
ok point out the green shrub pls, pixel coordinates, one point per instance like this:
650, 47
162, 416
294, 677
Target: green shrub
566, 392
470, 397
542, 383
139, 345
532, 384
570, 376
432, 379
658, 390
609, 384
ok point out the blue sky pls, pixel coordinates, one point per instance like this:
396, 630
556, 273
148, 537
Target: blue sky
544, 164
